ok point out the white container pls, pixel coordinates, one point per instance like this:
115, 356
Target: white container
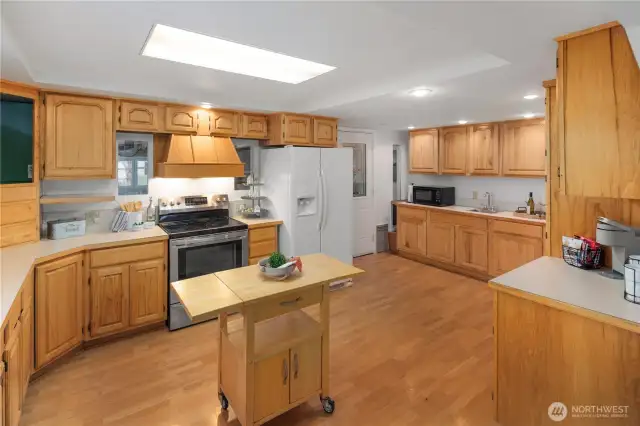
65, 228
632, 282
634, 259
410, 193
135, 222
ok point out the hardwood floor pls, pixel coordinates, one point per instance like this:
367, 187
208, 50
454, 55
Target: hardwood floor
410, 345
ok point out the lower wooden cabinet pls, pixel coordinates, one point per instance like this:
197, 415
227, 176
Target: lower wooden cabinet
262, 242
27, 347
147, 292
14, 377
412, 231
58, 308
471, 248
441, 242
509, 251
306, 362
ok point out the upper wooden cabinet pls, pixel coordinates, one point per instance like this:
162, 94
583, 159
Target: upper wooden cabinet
598, 83
79, 140
325, 131
297, 129
58, 307
423, 151
453, 150
523, 148
484, 149
254, 126
224, 122
137, 116
412, 230
181, 119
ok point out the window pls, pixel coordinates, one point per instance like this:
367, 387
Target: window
359, 168
240, 183
133, 167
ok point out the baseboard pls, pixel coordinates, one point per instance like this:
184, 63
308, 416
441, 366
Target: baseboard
98, 341
478, 275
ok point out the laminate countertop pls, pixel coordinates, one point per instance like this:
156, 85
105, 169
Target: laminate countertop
258, 223
504, 215
552, 282
16, 262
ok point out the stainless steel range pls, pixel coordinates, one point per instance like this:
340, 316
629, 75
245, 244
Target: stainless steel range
203, 239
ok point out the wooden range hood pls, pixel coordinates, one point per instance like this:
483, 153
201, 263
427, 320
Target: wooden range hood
190, 156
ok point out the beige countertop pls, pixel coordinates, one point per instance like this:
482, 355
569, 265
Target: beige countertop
550, 281
508, 216
17, 261
258, 223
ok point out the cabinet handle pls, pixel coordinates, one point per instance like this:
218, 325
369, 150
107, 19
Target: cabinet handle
291, 302
285, 371
295, 365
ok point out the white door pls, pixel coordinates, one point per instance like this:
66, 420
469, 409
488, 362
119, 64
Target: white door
336, 230
362, 183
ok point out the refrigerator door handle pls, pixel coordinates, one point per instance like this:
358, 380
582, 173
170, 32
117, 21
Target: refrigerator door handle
325, 201
321, 205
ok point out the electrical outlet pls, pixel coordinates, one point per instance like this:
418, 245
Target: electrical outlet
475, 195
92, 216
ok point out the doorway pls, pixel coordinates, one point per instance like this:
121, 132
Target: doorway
361, 142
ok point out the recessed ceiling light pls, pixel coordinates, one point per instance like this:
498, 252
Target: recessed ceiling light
420, 92
530, 96
173, 44
462, 121
529, 115
411, 127
206, 105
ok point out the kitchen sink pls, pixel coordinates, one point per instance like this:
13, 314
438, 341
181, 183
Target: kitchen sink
483, 211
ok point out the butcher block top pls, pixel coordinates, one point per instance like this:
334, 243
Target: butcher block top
208, 295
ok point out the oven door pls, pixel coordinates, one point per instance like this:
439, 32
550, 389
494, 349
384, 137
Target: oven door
425, 195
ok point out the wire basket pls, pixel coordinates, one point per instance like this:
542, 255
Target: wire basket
587, 257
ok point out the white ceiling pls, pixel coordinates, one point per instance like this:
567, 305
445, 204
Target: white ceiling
480, 58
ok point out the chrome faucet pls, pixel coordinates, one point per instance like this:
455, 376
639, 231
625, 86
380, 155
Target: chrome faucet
489, 207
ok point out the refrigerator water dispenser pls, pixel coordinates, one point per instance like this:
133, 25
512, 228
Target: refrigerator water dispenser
307, 206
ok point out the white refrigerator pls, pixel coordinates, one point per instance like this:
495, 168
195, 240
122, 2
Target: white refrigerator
310, 190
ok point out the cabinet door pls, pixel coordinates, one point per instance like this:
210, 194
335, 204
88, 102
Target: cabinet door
79, 138
58, 308
412, 231
441, 242
254, 126
325, 131
181, 119
297, 129
139, 116
471, 248
224, 123
27, 347
511, 251
148, 292
13, 395
306, 363
453, 150
109, 300
271, 385
523, 147
484, 149
423, 151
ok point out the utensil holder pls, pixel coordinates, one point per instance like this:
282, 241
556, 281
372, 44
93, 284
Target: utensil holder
135, 222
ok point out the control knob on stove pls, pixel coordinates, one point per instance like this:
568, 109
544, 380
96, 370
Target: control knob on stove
171, 203
164, 204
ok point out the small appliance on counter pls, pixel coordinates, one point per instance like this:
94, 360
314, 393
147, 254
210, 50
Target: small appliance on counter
624, 241
433, 195
66, 228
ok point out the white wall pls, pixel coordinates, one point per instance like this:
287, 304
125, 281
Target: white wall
509, 193
383, 172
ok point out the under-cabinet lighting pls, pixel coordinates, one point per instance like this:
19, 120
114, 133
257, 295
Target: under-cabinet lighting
411, 127
531, 97
174, 44
420, 92
462, 122
206, 105
529, 115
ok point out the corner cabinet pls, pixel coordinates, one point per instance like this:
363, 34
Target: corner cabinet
58, 308
484, 149
453, 150
523, 148
412, 230
423, 151
79, 141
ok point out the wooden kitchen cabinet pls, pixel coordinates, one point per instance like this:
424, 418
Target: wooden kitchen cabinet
484, 149
325, 131
305, 361
512, 245
271, 385
109, 287
262, 242
147, 292
471, 248
297, 129
523, 148
58, 308
423, 151
412, 230
453, 150
441, 241
79, 140
224, 122
181, 119
138, 116
14, 377
27, 347
254, 126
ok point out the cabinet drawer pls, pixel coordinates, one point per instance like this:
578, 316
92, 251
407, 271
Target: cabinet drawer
470, 222
263, 248
409, 212
262, 234
532, 231
289, 302
255, 260
127, 254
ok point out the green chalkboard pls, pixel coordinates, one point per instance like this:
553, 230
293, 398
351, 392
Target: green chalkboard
16, 141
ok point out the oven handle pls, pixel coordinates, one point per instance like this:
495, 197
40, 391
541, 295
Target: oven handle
200, 241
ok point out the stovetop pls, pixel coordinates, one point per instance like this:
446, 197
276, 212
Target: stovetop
180, 225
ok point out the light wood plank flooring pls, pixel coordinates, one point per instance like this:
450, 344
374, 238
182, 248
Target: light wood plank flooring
410, 345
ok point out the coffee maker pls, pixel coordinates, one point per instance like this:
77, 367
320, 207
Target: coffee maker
624, 241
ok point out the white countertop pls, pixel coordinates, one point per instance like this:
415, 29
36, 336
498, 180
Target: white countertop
467, 210
258, 222
552, 278
16, 261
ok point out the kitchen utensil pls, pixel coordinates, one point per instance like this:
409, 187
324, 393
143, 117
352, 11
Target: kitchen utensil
138, 206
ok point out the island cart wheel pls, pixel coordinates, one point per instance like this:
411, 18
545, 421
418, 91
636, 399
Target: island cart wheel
224, 402
328, 404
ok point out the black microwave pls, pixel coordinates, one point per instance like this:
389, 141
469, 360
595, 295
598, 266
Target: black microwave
434, 195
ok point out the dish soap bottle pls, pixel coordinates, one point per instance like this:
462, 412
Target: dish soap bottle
531, 205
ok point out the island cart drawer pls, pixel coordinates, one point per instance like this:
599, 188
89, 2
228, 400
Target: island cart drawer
289, 302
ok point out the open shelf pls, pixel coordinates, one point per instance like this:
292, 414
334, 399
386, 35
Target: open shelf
275, 334
75, 199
